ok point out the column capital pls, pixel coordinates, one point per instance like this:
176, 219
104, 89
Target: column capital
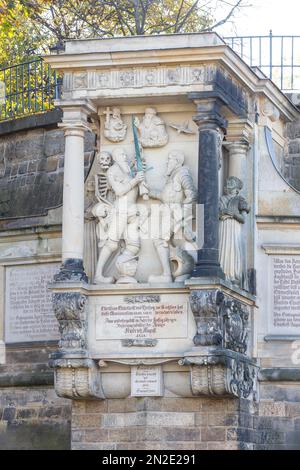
237, 147
75, 115
208, 114
240, 132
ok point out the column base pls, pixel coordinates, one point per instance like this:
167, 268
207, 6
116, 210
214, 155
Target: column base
208, 271
71, 270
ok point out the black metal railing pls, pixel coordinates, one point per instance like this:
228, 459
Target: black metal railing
31, 87
278, 57
27, 88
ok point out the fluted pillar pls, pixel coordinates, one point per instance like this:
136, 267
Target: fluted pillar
75, 123
211, 125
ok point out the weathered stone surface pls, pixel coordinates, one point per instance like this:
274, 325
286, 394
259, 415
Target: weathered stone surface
31, 175
33, 419
54, 143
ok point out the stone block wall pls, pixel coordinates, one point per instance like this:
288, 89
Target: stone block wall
31, 166
32, 417
163, 424
277, 424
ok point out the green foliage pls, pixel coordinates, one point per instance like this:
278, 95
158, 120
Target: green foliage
29, 27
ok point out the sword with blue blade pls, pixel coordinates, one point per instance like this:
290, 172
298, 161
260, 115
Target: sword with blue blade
143, 190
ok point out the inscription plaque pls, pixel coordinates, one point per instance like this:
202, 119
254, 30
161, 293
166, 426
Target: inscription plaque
148, 320
286, 293
28, 314
146, 381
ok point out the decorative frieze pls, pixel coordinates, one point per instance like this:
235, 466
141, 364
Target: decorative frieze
141, 77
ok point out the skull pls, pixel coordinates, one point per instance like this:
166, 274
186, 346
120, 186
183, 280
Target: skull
104, 160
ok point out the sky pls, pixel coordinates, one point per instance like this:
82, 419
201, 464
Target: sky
282, 16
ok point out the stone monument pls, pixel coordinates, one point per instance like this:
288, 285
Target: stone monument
165, 315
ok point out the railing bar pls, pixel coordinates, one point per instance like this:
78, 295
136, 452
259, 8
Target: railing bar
271, 55
21, 63
29, 89
35, 89
292, 68
281, 68
17, 94
42, 84
260, 52
49, 81
22, 68
5, 108
10, 93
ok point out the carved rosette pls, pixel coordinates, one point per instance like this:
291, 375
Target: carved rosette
223, 375
69, 309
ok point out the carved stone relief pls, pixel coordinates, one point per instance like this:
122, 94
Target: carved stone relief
118, 232
70, 311
232, 211
223, 375
178, 194
114, 127
152, 130
220, 320
76, 376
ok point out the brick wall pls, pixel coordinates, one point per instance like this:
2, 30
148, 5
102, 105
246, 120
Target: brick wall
163, 423
277, 424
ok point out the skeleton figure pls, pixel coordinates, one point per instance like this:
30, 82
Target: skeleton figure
97, 199
101, 185
104, 195
119, 218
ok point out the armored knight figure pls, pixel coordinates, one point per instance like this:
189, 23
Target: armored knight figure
232, 211
123, 217
179, 191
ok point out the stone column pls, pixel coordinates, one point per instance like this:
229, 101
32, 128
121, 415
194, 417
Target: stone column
211, 125
237, 142
75, 123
